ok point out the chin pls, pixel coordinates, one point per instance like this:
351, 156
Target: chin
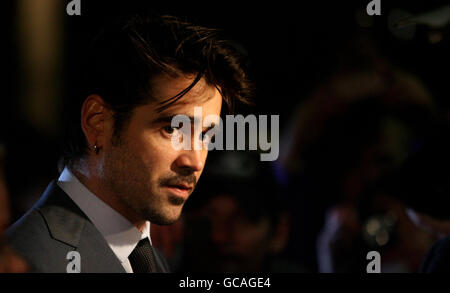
168, 217
164, 221
173, 218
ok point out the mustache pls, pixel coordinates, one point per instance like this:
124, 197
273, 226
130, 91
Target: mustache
178, 180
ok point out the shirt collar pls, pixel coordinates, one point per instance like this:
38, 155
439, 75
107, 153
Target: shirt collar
120, 234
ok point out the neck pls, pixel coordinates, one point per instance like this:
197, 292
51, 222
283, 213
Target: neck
92, 181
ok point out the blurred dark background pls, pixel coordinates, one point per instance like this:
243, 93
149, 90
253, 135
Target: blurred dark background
364, 114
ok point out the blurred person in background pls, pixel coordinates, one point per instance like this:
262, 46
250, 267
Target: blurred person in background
10, 262
238, 219
423, 184
401, 214
4, 198
357, 127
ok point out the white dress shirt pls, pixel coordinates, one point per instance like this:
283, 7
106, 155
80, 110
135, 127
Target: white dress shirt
120, 234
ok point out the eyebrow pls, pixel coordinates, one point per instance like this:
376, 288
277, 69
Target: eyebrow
167, 119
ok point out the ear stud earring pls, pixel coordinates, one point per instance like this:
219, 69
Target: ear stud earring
96, 148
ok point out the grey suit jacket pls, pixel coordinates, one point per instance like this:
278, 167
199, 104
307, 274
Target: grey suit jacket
56, 226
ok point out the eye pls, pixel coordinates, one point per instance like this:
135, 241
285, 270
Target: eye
171, 130
168, 129
204, 136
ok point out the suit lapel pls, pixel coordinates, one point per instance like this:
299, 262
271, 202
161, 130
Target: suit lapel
68, 224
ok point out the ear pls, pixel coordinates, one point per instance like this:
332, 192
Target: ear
95, 120
281, 234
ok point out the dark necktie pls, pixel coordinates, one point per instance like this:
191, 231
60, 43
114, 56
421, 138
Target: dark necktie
142, 259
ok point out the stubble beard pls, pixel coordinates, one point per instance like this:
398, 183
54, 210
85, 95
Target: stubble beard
128, 179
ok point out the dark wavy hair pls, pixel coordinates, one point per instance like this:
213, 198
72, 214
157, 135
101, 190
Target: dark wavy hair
122, 60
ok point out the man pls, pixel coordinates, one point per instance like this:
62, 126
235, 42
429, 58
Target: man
121, 170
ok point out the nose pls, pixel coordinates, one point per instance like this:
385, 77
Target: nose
190, 161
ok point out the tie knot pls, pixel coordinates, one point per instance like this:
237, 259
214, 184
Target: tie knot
142, 258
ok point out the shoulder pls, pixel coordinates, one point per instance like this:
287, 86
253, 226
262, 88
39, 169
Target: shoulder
45, 234
437, 258
28, 232
31, 238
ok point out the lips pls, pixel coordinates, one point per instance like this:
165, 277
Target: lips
179, 190
180, 186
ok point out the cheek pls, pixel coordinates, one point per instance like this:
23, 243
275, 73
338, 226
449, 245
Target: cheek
155, 153
204, 158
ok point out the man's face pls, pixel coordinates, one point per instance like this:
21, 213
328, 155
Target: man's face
142, 169
223, 232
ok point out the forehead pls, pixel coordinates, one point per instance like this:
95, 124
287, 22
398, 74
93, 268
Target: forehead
165, 87
201, 95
